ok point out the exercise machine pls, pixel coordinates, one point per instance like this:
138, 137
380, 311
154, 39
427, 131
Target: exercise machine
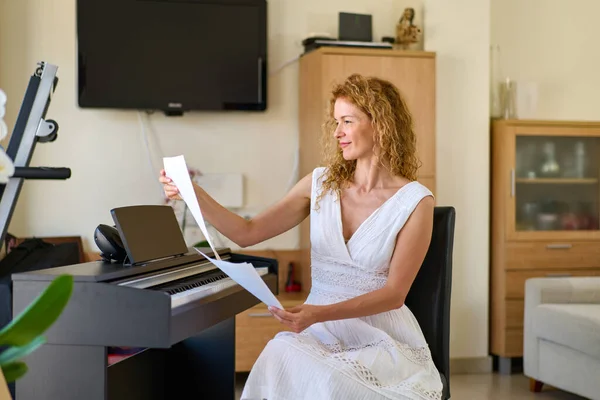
31, 127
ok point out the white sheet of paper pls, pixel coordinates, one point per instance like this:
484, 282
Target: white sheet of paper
245, 274
177, 170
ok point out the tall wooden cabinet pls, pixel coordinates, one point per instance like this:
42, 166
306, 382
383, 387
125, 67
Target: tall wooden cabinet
413, 72
545, 199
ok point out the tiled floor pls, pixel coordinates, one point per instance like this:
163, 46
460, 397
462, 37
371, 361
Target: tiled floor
492, 387
501, 387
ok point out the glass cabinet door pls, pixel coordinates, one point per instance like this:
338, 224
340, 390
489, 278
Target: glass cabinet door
555, 185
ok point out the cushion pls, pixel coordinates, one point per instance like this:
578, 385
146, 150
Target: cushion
573, 325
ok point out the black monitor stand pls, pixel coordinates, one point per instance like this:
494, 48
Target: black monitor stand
31, 127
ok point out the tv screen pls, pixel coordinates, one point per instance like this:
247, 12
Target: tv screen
172, 55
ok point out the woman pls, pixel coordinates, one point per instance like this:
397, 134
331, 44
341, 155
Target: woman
371, 224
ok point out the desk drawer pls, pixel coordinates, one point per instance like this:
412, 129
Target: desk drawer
549, 255
514, 343
255, 327
515, 310
515, 280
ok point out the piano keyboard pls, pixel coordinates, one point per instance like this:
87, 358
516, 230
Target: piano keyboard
204, 287
192, 283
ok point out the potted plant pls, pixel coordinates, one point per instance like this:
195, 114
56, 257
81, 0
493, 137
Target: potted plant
25, 333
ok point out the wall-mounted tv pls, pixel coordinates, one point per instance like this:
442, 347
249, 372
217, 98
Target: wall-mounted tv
172, 55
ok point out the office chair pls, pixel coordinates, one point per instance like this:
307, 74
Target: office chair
429, 296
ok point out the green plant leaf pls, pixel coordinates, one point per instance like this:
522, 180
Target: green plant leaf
15, 353
14, 371
40, 314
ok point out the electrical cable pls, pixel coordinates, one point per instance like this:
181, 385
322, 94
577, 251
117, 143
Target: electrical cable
149, 154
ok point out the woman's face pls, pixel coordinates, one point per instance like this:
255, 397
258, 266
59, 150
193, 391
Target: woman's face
354, 132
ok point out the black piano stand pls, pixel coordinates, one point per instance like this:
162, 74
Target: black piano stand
202, 366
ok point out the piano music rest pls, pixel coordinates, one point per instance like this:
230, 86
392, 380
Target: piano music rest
180, 311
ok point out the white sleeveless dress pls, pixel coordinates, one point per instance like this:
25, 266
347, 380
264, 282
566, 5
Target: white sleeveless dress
383, 356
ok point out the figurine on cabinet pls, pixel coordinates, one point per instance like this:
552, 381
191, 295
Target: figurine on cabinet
406, 31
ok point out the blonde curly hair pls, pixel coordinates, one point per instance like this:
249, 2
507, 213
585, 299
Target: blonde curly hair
395, 140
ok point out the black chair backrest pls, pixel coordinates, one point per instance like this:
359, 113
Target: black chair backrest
429, 296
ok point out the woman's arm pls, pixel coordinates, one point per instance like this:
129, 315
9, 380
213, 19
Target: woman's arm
277, 219
411, 247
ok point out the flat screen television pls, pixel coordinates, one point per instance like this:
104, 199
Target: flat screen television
172, 55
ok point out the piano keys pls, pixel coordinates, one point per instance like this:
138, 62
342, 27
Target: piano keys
188, 284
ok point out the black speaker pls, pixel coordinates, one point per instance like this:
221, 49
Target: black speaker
355, 27
109, 242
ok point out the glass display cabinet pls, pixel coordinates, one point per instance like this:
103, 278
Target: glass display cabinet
545, 197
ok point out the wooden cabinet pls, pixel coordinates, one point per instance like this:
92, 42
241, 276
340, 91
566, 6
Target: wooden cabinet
255, 327
413, 72
545, 200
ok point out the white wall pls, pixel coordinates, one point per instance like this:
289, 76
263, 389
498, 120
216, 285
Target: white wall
459, 32
261, 146
553, 43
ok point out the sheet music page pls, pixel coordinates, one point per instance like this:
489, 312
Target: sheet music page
177, 170
243, 273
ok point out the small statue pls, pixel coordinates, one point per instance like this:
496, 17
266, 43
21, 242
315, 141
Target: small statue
407, 32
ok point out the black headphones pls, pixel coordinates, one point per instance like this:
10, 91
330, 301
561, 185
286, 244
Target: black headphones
109, 242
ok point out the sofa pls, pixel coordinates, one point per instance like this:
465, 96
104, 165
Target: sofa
561, 346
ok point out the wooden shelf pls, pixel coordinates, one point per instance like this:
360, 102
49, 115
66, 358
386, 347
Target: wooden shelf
364, 51
545, 123
559, 181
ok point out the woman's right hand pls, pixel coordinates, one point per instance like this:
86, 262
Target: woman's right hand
169, 187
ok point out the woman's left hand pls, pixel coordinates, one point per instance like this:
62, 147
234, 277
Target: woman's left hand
297, 318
